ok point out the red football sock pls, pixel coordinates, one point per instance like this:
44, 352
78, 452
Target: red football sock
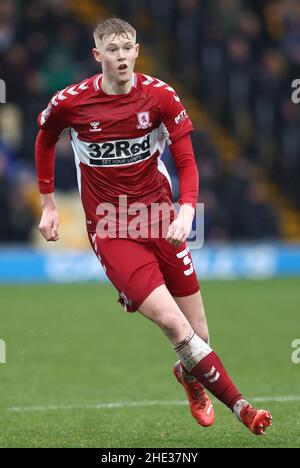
213, 376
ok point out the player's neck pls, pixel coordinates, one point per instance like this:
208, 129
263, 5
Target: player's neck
110, 87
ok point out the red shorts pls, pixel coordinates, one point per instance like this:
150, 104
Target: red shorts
137, 267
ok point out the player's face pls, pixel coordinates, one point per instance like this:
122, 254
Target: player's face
117, 55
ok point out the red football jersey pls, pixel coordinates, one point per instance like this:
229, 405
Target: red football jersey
118, 139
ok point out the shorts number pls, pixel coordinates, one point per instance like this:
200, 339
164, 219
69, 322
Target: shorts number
187, 261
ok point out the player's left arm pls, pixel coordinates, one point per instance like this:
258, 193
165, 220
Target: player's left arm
178, 126
183, 153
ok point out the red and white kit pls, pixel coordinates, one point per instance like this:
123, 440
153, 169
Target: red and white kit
118, 141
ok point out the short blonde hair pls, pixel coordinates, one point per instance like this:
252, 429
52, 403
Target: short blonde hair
113, 26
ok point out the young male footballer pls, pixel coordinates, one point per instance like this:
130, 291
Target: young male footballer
119, 122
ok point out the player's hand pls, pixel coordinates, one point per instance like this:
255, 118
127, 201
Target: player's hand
180, 228
49, 224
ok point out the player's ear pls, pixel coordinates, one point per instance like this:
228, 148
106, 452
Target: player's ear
96, 54
137, 50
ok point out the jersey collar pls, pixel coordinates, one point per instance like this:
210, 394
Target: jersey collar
98, 79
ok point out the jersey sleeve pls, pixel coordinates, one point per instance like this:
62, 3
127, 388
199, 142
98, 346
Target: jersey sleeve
174, 116
51, 121
54, 118
183, 154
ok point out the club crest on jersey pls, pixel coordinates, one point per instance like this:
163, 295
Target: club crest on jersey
144, 120
95, 126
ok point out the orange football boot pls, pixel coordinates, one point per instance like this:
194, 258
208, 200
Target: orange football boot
255, 420
200, 405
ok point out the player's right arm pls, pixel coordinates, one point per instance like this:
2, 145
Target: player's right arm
52, 121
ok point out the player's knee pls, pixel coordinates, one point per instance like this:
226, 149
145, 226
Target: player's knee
172, 323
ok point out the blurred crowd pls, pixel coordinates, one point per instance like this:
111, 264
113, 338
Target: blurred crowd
43, 48
237, 57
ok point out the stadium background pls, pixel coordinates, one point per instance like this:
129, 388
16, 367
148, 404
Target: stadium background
233, 63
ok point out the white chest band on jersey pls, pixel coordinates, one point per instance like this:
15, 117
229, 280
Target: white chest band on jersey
114, 153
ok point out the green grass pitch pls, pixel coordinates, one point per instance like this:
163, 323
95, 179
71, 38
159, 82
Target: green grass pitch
81, 372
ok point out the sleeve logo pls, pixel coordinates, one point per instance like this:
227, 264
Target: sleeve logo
181, 117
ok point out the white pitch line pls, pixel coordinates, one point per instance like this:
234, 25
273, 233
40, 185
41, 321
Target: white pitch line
96, 406
279, 399
134, 404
